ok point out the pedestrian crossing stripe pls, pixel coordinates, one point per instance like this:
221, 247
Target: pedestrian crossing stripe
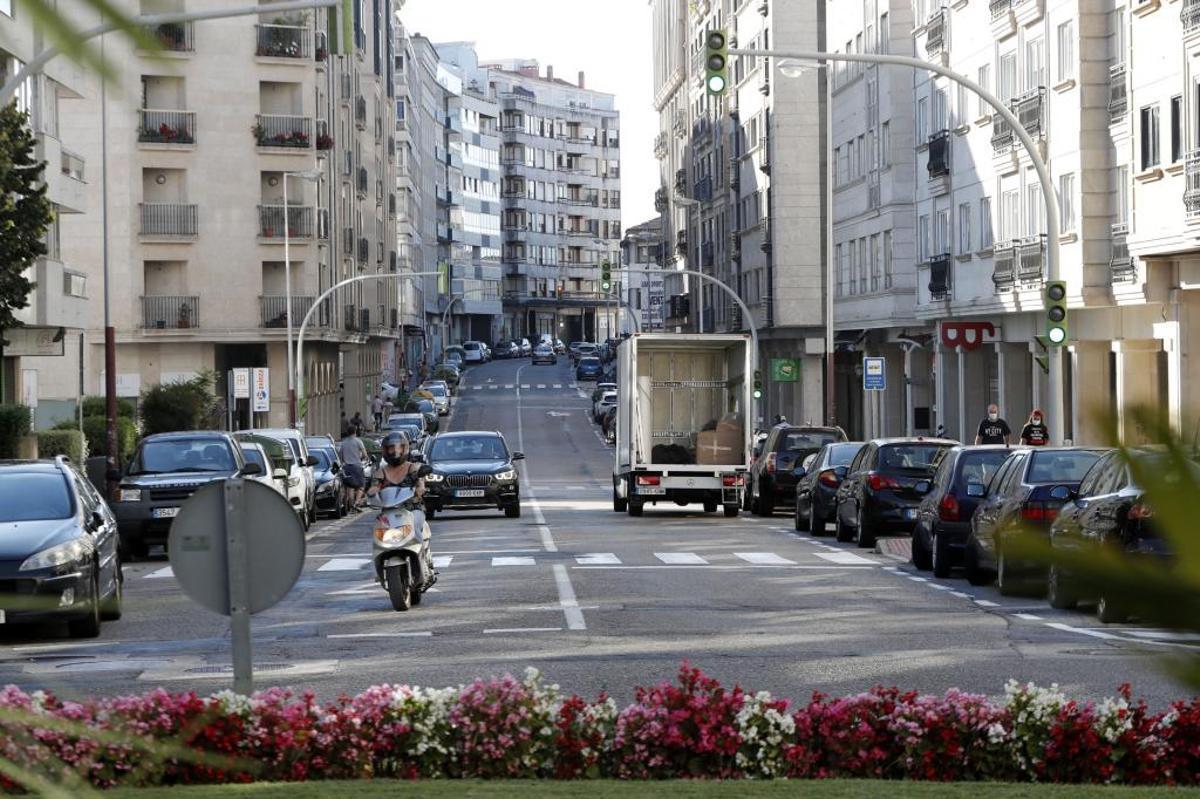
681, 558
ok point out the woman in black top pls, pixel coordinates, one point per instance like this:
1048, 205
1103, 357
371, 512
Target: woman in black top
1034, 433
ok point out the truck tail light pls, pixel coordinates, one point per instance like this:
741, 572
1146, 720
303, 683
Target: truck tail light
948, 508
732, 480
878, 482
828, 478
770, 467
648, 480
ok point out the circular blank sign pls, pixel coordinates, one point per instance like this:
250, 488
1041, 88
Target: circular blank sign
273, 543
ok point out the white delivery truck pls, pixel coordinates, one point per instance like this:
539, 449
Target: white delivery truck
684, 417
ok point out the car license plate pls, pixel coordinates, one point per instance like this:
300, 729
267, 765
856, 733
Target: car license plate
165, 513
469, 492
651, 490
910, 514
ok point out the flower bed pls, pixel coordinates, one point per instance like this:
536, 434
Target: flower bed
504, 727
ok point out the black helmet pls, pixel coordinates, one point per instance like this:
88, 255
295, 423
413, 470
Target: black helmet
395, 448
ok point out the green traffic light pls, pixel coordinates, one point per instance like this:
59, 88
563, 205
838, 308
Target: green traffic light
716, 62
1057, 335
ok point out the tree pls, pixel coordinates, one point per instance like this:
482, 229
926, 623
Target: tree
182, 405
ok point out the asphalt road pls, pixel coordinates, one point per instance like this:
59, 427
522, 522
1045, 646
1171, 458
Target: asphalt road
600, 601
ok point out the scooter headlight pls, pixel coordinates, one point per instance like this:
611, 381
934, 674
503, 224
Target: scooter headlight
393, 536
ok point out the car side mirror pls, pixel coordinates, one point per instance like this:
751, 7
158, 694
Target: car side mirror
518, 456
1062, 493
251, 469
335, 468
311, 460
976, 490
97, 521
923, 487
799, 472
280, 474
424, 470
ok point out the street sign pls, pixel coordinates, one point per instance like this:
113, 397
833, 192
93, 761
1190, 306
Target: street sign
874, 374
241, 384
262, 390
784, 370
34, 341
237, 548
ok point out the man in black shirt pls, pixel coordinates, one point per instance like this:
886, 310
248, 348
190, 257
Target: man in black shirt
993, 429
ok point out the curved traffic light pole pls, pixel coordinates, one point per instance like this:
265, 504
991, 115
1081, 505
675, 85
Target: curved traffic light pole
822, 59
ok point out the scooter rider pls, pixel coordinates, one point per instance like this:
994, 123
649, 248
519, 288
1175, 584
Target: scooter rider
395, 469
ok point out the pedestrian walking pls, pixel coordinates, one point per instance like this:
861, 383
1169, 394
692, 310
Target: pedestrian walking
424, 372
993, 429
354, 454
377, 412
357, 421
388, 407
1034, 433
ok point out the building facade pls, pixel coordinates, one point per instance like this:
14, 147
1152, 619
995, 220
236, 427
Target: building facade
643, 288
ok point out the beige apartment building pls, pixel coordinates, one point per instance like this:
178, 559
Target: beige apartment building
246, 146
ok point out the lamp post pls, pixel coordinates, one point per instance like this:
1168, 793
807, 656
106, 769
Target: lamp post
312, 176
822, 60
446, 320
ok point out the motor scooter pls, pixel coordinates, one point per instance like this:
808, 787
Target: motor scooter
400, 548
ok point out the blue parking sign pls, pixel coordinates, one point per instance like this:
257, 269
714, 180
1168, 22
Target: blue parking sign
874, 374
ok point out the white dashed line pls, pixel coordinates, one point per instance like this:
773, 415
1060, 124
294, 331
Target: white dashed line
1028, 616
961, 595
598, 559
421, 634
1067, 628
167, 572
939, 587
764, 559
987, 603
344, 565
918, 579
513, 562
442, 561
846, 558
504, 630
681, 558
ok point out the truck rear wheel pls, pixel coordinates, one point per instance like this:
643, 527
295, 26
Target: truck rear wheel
710, 505
619, 502
731, 511
635, 507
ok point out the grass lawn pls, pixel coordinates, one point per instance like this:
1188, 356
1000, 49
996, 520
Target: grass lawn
597, 789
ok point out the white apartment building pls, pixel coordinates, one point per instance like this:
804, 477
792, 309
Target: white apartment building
643, 292
57, 312
204, 141
742, 185
411, 165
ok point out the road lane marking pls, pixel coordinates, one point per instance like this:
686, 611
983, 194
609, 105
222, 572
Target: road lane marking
493, 388
939, 586
1028, 616
987, 603
513, 562
344, 565
1067, 628
541, 385
508, 385
764, 559
566, 598
598, 559
421, 634
442, 561
547, 539
961, 594
524, 385
711, 567
918, 579
164, 572
1161, 635
681, 558
504, 630
845, 558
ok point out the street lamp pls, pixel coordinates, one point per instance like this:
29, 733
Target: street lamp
446, 319
312, 176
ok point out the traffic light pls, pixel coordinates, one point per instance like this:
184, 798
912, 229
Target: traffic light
1054, 297
716, 61
606, 277
758, 384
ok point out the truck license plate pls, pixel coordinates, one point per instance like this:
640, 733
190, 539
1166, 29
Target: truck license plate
469, 492
651, 490
165, 513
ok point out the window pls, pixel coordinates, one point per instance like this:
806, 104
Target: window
984, 79
862, 266
1006, 83
1035, 64
860, 153
875, 262
923, 238
1149, 134
853, 268
74, 284
853, 158
964, 228
841, 272
960, 107
887, 259
1118, 36
837, 164
922, 120
940, 99
1176, 129
1066, 50
1121, 178
1066, 201
885, 145
1035, 209
884, 32
1010, 215
985, 223
942, 232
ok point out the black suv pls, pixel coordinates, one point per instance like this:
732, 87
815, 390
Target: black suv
772, 479
472, 470
165, 471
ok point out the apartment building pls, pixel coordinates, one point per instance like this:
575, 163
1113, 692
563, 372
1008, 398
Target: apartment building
643, 289
246, 149
40, 362
560, 162
412, 232
742, 185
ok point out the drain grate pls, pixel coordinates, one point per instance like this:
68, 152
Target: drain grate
258, 667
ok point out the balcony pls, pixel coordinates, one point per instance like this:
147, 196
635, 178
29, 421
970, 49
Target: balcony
174, 37
167, 221
1190, 16
361, 183
681, 181
273, 310
360, 112
764, 148
166, 127
321, 52
1030, 109
1002, 134
1118, 92
1120, 266
350, 317
935, 35
660, 200
283, 41
364, 250
170, 313
999, 8
324, 138
660, 145
1191, 192
283, 130
939, 276
681, 243
271, 222
591, 199
704, 190
1004, 271
938, 164
1031, 252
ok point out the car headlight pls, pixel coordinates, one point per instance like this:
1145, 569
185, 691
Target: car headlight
63, 554
326, 487
393, 536
507, 474
129, 495
434, 478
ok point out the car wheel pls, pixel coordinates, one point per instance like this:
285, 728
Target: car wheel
762, 505
731, 511
863, 535
816, 522
1058, 593
635, 508
430, 513
920, 552
975, 574
844, 534
1006, 580
796, 517
1109, 612
513, 511
110, 610
941, 555
88, 626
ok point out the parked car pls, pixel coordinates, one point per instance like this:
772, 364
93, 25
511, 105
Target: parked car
608, 424
426, 407
165, 470
449, 374
407, 419
559, 347
1025, 495
573, 348
391, 391
285, 470
331, 498
601, 406
879, 492
950, 497
455, 359
472, 352
295, 439
588, 368
585, 350
526, 348
1109, 510
60, 549
441, 395
544, 353
601, 388
472, 470
816, 491
771, 481
256, 454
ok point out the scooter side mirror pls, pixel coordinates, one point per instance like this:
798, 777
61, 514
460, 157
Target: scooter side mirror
424, 470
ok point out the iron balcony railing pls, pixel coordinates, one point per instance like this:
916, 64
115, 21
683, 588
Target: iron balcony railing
1191, 193
1120, 265
935, 33
1030, 109
681, 242
364, 250
350, 317
166, 127
660, 200
274, 310
284, 41
1190, 15
939, 276
299, 221
1002, 134
170, 313
283, 130
360, 112
321, 51
324, 137
168, 220
362, 181
173, 36
999, 7
1004, 269
1032, 254
939, 154
1118, 92
681, 181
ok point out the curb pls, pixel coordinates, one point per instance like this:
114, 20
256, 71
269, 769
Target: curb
896, 548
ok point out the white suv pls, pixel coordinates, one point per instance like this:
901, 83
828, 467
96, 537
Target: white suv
473, 352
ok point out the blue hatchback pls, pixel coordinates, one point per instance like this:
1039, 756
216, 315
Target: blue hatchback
588, 369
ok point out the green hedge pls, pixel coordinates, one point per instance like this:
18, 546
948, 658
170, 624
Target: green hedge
95, 406
14, 425
94, 430
62, 442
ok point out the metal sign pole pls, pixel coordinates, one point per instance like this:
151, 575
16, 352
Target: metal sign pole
239, 586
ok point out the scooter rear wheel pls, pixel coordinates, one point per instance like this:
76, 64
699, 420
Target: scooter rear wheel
397, 579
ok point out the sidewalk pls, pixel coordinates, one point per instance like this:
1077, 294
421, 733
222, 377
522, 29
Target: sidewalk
897, 548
